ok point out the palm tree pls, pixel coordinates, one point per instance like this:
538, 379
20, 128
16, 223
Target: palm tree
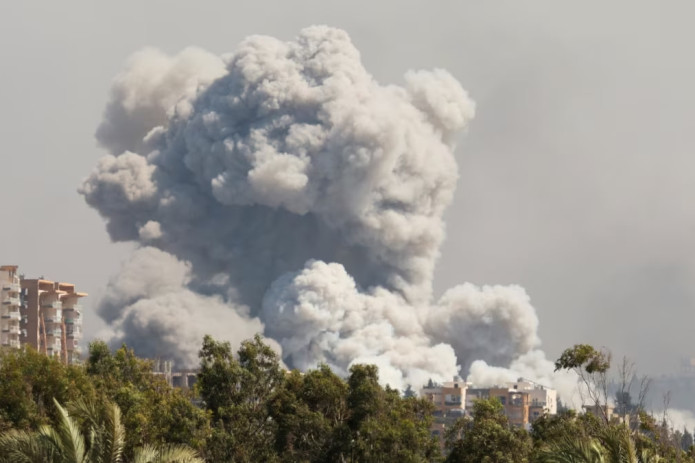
573, 450
90, 435
63, 443
618, 444
614, 444
23, 447
166, 454
103, 428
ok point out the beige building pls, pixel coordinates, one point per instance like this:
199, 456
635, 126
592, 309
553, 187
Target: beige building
10, 316
449, 398
41, 313
515, 403
52, 318
523, 401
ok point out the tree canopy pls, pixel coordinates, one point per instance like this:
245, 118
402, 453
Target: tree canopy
246, 407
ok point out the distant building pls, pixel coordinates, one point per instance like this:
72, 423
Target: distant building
10, 316
515, 403
604, 411
542, 400
523, 401
41, 313
449, 398
183, 379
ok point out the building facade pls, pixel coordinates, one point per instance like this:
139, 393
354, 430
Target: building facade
523, 401
10, 315
449, 399
41, 313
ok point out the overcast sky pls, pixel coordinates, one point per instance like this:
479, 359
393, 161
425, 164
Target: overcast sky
575, 174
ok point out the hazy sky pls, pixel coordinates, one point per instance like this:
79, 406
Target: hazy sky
575, 174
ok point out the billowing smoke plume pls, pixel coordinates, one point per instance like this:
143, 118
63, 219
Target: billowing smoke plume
149, 307
285, 190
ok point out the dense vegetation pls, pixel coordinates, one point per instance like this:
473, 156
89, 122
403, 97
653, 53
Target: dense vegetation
247, 408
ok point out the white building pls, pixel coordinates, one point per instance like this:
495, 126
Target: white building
542, 399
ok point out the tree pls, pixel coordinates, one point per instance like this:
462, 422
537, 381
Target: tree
93, 434
487, 437
382, 425
591, 366
238, 394
311, 413
29, 383
153, 411
686, 439
572, 450
625, 407
166, 454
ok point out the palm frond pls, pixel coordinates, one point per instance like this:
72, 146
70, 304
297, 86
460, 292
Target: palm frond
572, 450
22, 447
618, 444
166, 454
66, 438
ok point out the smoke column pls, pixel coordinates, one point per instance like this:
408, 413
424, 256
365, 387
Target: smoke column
282, 189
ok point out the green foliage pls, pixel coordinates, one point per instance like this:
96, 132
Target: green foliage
92, 433
588, 438
583, 356
383, 426
118, 411
311, 414
569, 449
315, 417
153, 412
487, 437
686, 440
238, 393
29, 383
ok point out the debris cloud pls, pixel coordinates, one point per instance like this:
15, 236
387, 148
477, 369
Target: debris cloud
282, 189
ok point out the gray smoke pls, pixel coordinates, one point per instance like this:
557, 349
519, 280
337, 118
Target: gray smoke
149, 307
293, 188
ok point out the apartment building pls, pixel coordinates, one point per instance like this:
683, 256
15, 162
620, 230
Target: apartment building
542, 400
10, 316
515, 403
449, 398
523, 401
52, 318
42, 313
183, 379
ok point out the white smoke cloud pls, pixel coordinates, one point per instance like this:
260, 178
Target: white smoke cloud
319, 315
150, 231
152, 88
492, 323
679, 419
298, 190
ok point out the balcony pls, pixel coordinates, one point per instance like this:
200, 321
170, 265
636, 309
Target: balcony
54, 333
11, 329
51, 305
75, 309
74, 334
52, 319
12, 315
13, 343
12, 287
11, 301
